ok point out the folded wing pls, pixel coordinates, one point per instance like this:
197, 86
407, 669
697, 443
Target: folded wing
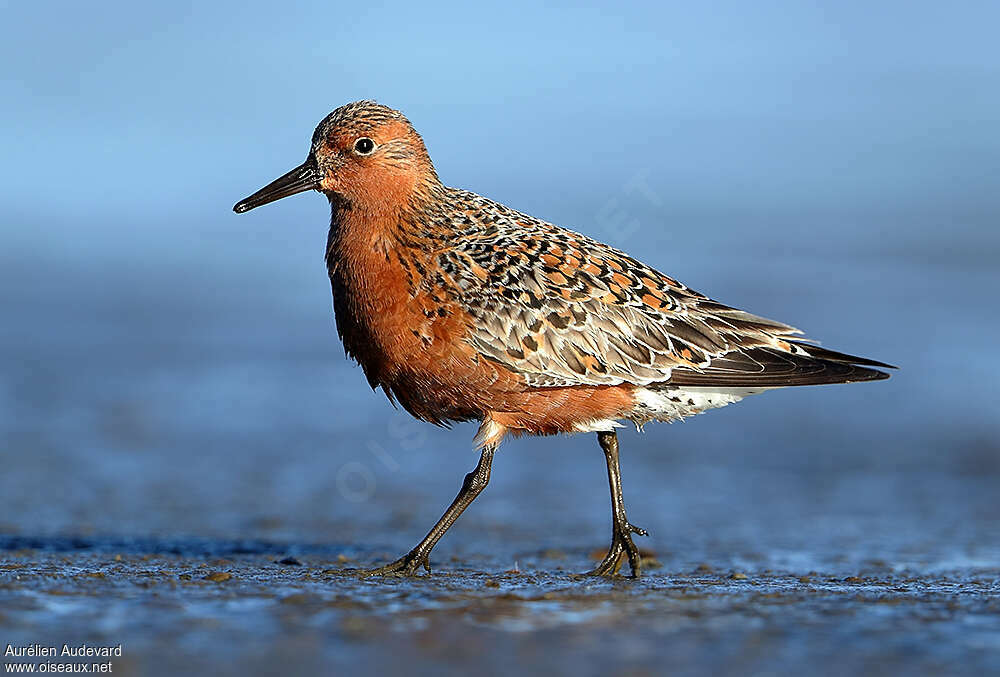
561, 309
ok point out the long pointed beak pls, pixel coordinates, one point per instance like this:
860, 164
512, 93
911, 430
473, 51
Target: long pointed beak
302, 178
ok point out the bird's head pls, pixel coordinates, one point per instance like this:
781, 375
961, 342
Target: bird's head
364, 154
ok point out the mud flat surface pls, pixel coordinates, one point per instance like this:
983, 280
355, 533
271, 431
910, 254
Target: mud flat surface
251, 607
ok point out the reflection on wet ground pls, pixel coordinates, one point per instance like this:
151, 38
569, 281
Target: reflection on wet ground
249, 606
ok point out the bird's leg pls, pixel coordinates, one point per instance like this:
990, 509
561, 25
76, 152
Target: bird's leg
411, 562
621, 531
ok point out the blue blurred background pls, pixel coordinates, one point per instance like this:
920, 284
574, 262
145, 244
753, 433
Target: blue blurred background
171, 368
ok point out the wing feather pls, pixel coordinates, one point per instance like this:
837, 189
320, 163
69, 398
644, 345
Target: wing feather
561, 309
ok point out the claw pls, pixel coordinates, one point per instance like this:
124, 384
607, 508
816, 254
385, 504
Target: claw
407, 565
621, 547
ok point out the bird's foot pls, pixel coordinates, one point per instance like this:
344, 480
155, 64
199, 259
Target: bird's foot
632, 529
407, 565
621, 548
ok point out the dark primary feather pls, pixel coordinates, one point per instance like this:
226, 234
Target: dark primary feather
769, 367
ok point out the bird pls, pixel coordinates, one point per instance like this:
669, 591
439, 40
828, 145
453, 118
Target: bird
463, 309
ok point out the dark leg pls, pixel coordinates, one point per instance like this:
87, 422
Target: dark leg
621, 531
411, 562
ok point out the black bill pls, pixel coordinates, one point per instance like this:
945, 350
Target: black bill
302, 178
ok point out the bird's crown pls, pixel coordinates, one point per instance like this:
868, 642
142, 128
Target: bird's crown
358, 116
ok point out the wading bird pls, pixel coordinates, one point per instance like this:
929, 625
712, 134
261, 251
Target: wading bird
462, 309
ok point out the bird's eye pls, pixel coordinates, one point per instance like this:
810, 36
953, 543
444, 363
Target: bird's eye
364, 146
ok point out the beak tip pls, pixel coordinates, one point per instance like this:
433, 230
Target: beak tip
241, 207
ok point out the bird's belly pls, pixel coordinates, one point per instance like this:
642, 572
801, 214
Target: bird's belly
421, 360
667, 403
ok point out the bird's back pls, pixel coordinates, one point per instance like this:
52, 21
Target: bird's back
561, 309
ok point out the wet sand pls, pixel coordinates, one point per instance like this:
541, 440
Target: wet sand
251, 607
